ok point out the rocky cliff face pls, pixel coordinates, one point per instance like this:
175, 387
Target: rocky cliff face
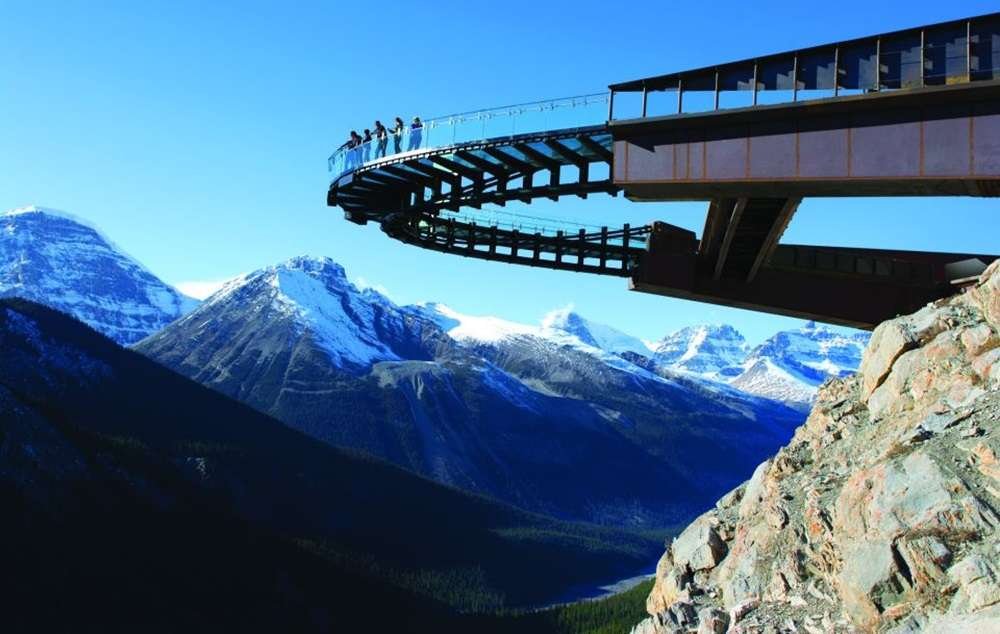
881, 514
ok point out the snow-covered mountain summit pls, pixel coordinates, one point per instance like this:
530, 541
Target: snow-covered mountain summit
564, 321
310, 299
787, 367
710, 350
792, 364
53, 258
562, 327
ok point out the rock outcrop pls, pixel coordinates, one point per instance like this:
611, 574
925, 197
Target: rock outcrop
881, 514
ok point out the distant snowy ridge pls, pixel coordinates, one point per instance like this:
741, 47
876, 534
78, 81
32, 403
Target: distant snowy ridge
566, 322
54, 258
561, 326
788, 367
791, 365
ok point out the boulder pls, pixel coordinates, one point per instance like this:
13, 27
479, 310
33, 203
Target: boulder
888, 342
753, 491
868, 580
976, 579
699, 546
712, 621
979, 339
987, 365
670, 585
926, 558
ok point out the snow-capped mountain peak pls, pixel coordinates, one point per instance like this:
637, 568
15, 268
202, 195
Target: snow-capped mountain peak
710, 350
561, 327
565, 321
478, 329
792, 364
312, 297
54, 258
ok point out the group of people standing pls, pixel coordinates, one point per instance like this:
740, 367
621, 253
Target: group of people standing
359, 147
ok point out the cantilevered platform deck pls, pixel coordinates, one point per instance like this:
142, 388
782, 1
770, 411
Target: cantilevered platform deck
908, 113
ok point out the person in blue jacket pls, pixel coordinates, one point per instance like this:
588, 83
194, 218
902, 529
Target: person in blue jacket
416, 134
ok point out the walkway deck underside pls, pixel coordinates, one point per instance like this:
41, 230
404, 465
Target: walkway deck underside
604, 252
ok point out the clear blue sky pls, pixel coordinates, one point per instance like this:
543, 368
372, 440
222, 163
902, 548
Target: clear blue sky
195, 134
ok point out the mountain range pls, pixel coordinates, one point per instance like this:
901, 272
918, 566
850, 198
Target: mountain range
539, 417
104, 453
517, 442
480, 403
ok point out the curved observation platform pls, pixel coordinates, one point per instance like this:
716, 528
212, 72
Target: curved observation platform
907, 113
411, 195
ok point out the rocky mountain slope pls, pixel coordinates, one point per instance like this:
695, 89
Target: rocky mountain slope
538, 416
52, 258
881, 514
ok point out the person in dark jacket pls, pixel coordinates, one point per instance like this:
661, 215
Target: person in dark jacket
366, 146
416, 134
354, 150
397, 135
381, 139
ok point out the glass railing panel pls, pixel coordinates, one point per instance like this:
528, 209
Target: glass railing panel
441, 132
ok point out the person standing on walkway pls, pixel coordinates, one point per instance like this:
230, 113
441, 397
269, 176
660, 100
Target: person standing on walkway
381, 139
397, 135
366, 147
416, 134
354, 149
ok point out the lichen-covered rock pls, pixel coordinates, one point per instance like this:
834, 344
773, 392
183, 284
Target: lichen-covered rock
881, 514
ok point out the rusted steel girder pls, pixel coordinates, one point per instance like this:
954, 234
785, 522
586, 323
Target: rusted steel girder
934, 141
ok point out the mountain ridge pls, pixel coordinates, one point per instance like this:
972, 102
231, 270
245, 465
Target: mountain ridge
78, 409
481, 403
55, 258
